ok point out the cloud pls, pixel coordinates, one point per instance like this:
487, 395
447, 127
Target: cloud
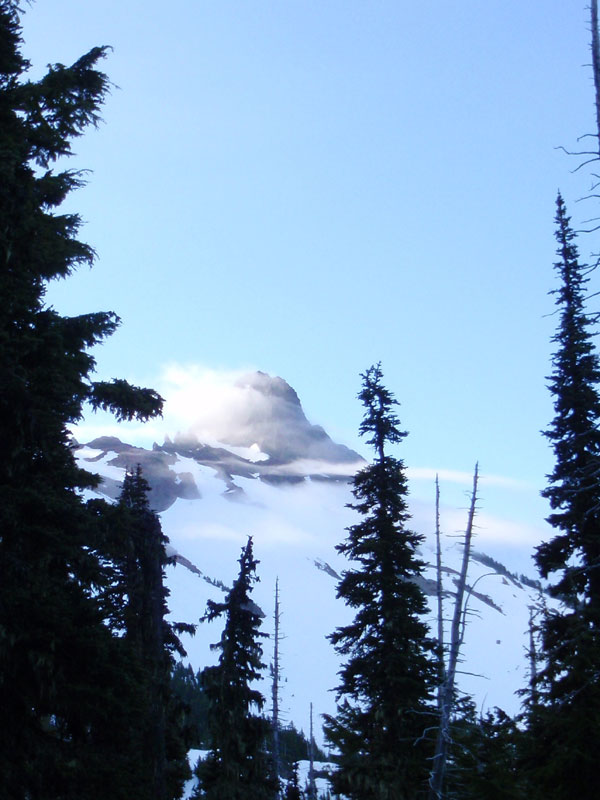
307, 466
210, 530
489, 529
207, 402
201, 401
132, 433
465, 478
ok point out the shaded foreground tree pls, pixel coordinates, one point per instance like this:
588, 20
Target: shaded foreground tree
292, 789
59, 661
563, 750
484, 763
384, 695
238, 766
158, 735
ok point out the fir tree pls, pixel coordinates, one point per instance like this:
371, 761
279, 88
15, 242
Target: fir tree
59, 675
193, 704
388, 677
151, 639
484, 763
563, 750
292, 789
238, 766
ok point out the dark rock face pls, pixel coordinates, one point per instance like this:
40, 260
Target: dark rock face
274, 419
165, 485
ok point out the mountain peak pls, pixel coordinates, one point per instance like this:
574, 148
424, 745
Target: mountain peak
269, 386
265, 411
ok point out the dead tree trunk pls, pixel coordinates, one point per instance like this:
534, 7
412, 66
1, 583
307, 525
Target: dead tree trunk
439, 593
276, 674
438, 771
533, 660
596, 68
312, 786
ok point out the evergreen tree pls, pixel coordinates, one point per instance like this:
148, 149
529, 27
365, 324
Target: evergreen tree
192, 701
484, 763
563, 750
292, 789
388, 677
151, 639
59, 665
238, 766
296, 747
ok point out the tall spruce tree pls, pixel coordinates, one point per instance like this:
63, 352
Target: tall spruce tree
563, 751
238, 766
58, 675
388, 677
140, 561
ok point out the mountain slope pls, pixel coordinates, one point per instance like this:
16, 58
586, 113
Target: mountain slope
274, 476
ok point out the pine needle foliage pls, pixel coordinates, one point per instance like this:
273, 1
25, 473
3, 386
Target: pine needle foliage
59, 661
238, 766
292, 789
384, 695
564, 706
157, 734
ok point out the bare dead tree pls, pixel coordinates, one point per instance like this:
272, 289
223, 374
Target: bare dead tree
596, 67
275, 676
436, 779
439, 593
533, 657
312, 786
594, 152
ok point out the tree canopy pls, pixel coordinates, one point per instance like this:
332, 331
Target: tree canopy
58, 658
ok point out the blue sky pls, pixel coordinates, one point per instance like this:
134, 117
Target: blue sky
309, 187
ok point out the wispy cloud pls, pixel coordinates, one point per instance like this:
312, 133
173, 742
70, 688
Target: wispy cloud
489, 529
211, 404
306, 466
466, 478
132, 433
201, 401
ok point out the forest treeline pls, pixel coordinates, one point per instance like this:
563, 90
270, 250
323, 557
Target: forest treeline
95, 700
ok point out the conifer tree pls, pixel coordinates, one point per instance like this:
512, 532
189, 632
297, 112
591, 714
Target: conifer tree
389, 673
292, 789
238, 766
58, 673
151, 640
484, 762
563, 747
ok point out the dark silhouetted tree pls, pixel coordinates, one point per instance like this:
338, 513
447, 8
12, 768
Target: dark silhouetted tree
153, 641
292, 789
564, 707
59, 662
384, 696
484, 762
238, 766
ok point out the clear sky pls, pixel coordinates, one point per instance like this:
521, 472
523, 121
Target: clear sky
309, 186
